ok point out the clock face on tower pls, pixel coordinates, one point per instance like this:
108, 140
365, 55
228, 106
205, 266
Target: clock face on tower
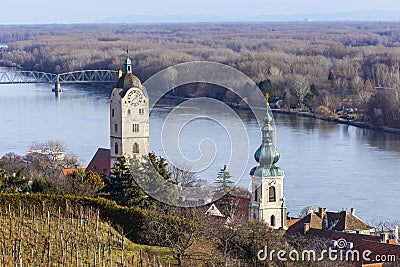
134, 97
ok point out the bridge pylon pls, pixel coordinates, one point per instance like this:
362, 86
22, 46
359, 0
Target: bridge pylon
57, 85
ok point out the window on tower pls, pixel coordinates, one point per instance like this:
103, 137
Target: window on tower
112, 112
116, 128
116, 148
256, 194
135, 127
272, 194
273, 221
135, 148
129, 112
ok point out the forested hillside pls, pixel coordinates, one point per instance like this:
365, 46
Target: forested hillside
313, 66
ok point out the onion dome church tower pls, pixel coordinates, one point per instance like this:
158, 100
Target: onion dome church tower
129, 117
267, 203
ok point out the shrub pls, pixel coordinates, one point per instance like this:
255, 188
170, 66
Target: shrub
323, 112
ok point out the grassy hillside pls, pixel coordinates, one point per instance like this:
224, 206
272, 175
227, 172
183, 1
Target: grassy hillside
73, 236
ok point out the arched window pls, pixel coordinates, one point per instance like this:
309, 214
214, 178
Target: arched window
272, 194
129, 112
256, 194
273, 222
116, 148
135, 148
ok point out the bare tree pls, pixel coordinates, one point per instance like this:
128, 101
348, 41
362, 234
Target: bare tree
305, 211
183, 231
170, 76
183, 177
300, 86
11, 162
49, 158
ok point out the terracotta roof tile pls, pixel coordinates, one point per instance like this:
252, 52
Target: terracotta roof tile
291, 221
69, 171
342, 221
360, 242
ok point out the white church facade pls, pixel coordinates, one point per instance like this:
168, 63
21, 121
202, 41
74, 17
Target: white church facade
129, 117
267, 202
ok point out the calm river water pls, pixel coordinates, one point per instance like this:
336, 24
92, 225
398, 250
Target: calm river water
326, 164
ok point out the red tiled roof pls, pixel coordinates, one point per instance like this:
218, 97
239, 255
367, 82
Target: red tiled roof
361, 243
298, 227
242, 207
242, 204
69, 171
337, 221
346, 221
100, 162
291, 221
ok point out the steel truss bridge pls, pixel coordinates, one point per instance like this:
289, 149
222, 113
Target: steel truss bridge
83, 76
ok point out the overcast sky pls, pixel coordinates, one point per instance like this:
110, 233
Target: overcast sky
75, 11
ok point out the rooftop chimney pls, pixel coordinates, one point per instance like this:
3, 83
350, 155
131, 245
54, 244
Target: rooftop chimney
306, 228
384, 237
310, 209
353, 211
321, 212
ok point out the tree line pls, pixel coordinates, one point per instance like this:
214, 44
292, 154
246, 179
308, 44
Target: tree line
307, 65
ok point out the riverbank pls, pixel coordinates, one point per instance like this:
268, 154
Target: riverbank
339, 120
311, 115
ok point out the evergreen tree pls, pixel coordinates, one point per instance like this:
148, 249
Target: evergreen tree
223, 183
122, 187
160, 165
13, 182
223, 191
154, 180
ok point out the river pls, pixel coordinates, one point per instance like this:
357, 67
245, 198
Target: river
330, 165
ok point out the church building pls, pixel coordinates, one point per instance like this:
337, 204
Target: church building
267, 203
129, 117
129, 137
129, 122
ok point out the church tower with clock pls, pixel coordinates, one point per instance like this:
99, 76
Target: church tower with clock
267, 203
129, 117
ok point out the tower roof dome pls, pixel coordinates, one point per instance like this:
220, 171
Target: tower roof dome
128, 80
267, 155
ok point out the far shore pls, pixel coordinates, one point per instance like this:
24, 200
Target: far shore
312, 115
340, 120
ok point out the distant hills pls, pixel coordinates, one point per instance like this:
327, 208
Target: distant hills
342, 16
